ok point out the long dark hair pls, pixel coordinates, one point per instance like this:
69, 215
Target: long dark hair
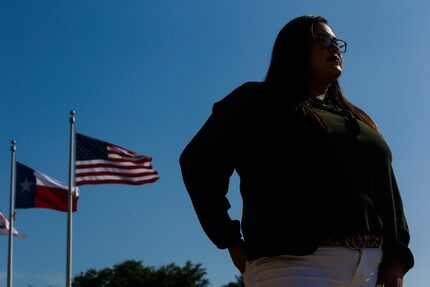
290, 64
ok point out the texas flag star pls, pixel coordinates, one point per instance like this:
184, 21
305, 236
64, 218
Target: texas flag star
25, 186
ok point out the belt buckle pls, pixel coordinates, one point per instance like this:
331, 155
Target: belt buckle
355, 242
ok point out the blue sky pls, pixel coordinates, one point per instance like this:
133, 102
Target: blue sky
144, 75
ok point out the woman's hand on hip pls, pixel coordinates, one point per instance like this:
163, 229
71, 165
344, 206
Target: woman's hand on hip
391, 274
238, 255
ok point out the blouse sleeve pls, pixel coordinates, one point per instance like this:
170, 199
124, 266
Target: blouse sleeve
207, 164
399, 249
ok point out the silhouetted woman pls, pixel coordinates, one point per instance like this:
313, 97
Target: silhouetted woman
321, 206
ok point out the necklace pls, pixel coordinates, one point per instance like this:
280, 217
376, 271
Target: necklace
326, 104
351, 122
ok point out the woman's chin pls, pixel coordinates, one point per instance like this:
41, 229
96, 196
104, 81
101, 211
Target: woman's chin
336, 71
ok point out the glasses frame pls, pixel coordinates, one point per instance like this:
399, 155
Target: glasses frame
340, 44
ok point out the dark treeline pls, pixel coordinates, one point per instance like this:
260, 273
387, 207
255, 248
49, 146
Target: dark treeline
133, 273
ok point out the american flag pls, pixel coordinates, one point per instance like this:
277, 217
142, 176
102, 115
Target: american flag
99, 162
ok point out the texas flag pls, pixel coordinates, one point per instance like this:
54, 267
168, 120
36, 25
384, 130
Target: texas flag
34, 189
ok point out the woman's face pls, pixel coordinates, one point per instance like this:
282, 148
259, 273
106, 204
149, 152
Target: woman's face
325, 63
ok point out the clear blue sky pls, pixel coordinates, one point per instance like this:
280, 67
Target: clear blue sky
144, 75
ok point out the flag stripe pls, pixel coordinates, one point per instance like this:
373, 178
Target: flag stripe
107, 165
129, 175
120, 150
123, 153
107, 181
120, 160
117, 157
44, 180
52, 198
114, 170
110, 163
116, 177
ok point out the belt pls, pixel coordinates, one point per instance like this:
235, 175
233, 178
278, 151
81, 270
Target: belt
355, 242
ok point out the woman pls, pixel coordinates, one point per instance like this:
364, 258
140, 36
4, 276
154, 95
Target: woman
321, 206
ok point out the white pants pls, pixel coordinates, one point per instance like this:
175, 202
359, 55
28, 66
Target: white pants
329, 266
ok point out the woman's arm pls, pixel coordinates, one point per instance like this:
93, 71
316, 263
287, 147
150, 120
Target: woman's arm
398, 258
207, 164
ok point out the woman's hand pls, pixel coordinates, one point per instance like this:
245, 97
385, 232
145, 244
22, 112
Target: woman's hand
391, 274
238, 255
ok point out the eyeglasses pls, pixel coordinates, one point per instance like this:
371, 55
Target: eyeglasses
327, 42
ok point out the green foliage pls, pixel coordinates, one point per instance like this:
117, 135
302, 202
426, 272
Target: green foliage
132, 273
237, 283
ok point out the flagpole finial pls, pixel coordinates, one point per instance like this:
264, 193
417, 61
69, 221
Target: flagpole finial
72, 116
13, 147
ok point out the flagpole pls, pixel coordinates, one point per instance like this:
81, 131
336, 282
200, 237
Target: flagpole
70, 201
11, 214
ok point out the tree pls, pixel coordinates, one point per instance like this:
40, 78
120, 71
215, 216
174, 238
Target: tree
132, 273
237, 283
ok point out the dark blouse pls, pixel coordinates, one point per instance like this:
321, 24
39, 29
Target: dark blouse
299, 183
